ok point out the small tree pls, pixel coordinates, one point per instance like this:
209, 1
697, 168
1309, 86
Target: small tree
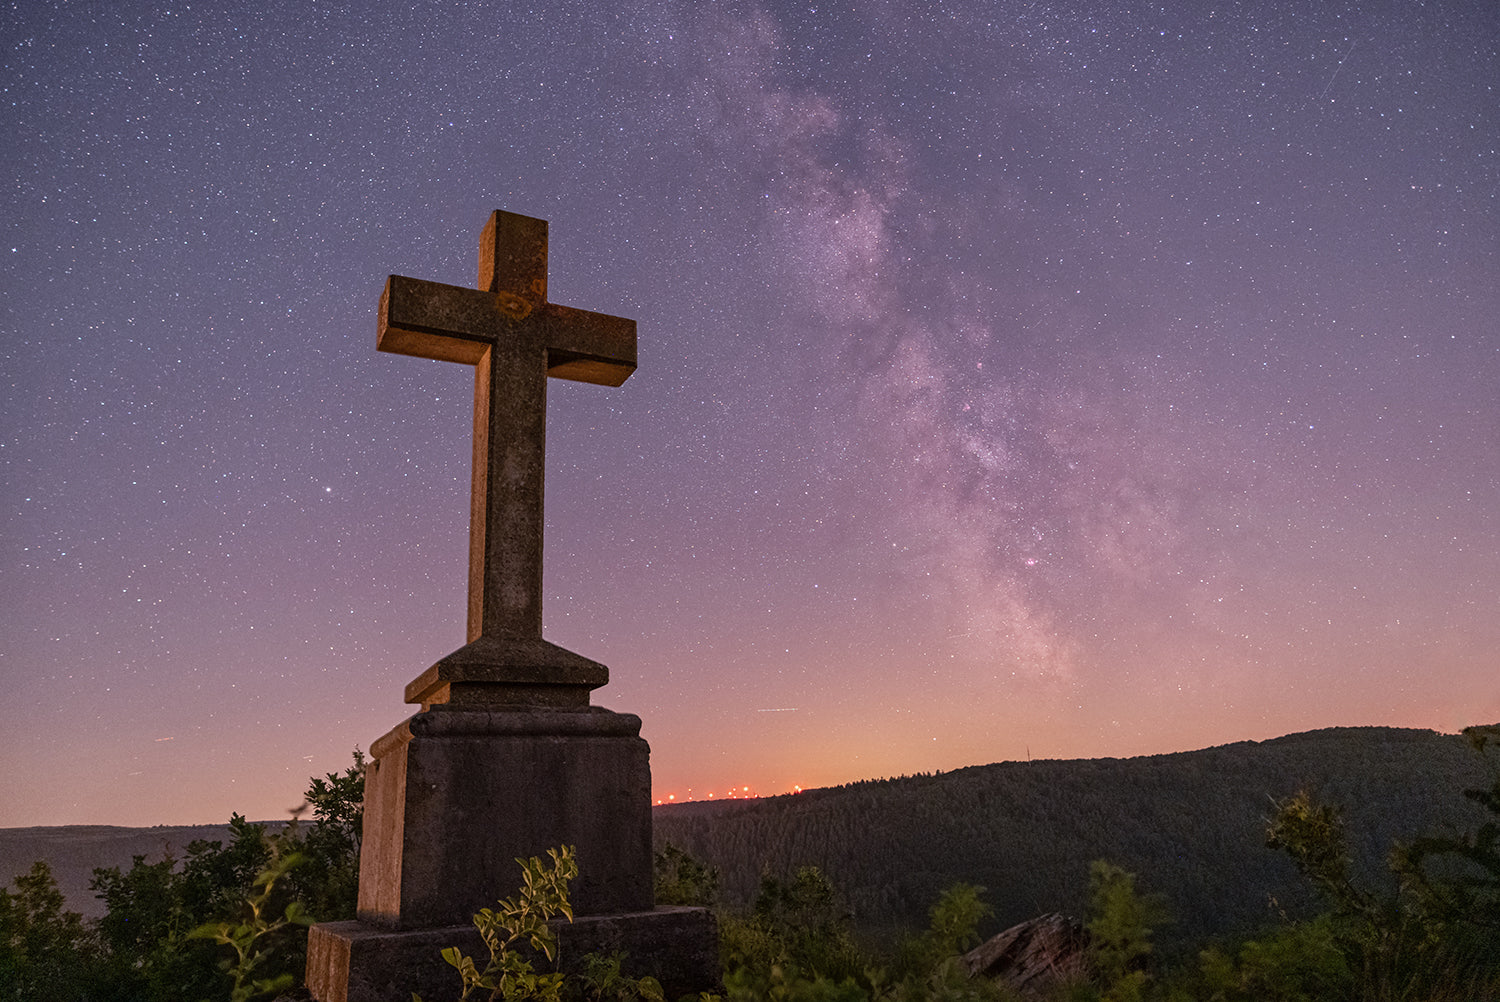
1453, 879
681, 879
952, 927
930, 965
1120, 926
47, 954
797, 924
328, 881
152, 907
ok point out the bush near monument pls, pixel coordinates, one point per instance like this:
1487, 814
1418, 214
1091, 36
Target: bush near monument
210, 925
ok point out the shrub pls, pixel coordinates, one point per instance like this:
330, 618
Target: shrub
47, 954
521, 921
1438, 935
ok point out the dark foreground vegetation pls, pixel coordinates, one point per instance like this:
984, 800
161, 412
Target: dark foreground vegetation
227, 921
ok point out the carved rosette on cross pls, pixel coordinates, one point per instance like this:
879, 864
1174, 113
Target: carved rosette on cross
516, 340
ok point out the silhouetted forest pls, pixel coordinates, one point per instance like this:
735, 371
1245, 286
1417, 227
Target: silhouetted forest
1191, 825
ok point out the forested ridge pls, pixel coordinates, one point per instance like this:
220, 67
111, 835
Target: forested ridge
1191, 825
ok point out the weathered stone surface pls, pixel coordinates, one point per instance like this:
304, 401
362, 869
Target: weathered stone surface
1033, 956
509, 673
515, 340
454, 796
355, 962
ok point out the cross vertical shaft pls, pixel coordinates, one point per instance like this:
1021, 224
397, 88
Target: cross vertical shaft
506, 513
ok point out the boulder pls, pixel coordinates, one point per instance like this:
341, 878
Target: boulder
1033, 956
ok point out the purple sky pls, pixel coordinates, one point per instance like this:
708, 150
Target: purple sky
1014, 379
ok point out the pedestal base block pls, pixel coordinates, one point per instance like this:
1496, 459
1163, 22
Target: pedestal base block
356, 962
454, 796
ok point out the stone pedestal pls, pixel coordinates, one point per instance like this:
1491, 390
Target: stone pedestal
355, 962
452, 797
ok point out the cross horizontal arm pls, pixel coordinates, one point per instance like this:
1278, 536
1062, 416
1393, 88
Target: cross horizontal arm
456, 324
432, 320
588, 347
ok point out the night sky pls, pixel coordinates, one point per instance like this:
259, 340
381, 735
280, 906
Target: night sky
1015, 379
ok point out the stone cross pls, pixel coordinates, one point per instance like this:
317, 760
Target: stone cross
507, 758
515, 340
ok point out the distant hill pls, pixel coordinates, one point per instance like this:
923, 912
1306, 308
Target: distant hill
73, 851
1191, 825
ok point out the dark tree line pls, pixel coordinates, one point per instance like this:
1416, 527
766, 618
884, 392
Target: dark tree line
1190, 825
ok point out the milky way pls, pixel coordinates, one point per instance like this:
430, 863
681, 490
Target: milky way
1014, 380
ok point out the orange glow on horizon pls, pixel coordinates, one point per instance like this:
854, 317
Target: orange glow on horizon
733, 793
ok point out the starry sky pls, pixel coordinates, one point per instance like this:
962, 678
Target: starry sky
1016, 379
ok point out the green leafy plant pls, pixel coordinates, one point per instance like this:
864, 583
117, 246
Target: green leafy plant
953, 922
797, 924
1296, 962
519, 922
1453, 879
1438, 933
254, 934
930, 964
47, 954
152, 908
1120, 926
604, 980
785, 983
681, 879
328, 882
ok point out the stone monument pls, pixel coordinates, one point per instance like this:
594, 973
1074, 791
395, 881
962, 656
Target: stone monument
507, 757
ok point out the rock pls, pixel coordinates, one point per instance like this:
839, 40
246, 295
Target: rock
1033, 956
